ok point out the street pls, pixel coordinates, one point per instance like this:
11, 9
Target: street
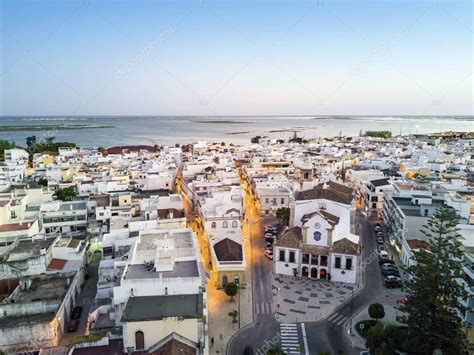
327, 335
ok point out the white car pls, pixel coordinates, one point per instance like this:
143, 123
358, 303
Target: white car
269, 254
392, 278
271, 229
383, 254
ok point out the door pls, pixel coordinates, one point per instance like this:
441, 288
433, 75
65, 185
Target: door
139, 341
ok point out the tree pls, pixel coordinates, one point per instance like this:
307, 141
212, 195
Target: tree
376, 311
283, 215
49, 140
275, 351
66, 194
231, 290
5, 145
433, 293
30, 142
255, 139
234, 315
382, 340
43, 182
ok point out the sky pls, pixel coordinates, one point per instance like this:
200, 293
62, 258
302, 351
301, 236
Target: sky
215, 58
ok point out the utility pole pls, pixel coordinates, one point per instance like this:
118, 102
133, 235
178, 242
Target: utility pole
352, 308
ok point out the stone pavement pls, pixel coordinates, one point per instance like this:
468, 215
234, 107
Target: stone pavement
302, 300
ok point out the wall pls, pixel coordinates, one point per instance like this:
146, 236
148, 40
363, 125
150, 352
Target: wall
349, 276
154, 331
32, 336
279, 267
337, 209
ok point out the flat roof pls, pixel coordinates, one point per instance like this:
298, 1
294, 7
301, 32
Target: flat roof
24, 249
180, 269
158, 307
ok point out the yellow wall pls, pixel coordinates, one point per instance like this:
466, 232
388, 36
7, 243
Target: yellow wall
230, 277
155, 331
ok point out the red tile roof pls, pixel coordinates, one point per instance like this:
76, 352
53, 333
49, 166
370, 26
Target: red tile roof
57, 264
418, 244
12, 227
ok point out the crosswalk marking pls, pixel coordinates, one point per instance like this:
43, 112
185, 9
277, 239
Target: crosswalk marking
343, 319
263, 308
289, 338
337, 318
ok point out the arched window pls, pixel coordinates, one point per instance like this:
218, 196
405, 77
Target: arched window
234, 224
139, 340
213, 225
224, 224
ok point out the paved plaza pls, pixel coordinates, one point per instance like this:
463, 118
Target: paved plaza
302, 300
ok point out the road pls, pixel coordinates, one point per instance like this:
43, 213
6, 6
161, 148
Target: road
321, 336
327, 335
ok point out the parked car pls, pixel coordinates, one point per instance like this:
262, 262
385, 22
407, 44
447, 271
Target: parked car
76, 312
379, 234
383, 254
269, 253
377, 228
392, 283
380, 240
388, 266
392, 278
386, 261
269, 235
73, 325
271, 228
269, 240
392, 272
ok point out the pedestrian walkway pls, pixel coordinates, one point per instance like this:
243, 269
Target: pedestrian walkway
289, 338
337, 318
303, 300
263, 308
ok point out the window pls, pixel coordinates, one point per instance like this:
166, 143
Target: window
373, 199
337, 262
281, 257
13, 214
324, 260
213, 225
374, 205
234, 224
305, 259
348, 263
314, 260
282, 200
267, 200
139, 341
224, 224
317, 236
292, 256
